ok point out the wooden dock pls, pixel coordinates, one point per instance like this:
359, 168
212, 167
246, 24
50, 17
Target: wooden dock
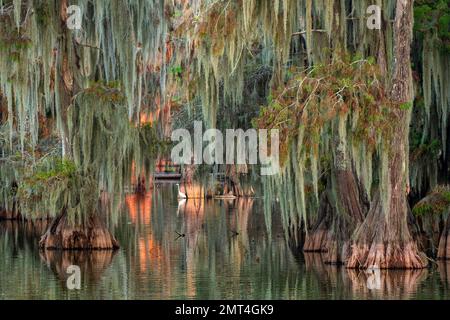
165, 170
167, 176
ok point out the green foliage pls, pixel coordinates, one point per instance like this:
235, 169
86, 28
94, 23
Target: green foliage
435, 203
406, 106
106, 92
14, 46
43, 13
63, 169
54, 185
315, 97
424, 151
177, 71
433, 17
424, 209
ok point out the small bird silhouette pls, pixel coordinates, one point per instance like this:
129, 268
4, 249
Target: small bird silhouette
180, 235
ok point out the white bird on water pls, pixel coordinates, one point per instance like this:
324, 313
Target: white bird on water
181, 195
181, 206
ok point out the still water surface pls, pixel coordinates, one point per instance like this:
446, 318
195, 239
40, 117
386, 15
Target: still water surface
225, 251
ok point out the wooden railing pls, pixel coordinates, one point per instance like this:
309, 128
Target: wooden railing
165, 169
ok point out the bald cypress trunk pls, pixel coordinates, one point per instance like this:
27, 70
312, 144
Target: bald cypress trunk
62, 233
315, 240
232, 181
342, 208
384, 239
343, 205
92, 234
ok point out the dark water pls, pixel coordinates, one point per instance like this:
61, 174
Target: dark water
227, 252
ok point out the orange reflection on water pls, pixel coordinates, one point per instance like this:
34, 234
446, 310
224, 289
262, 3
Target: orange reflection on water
205, 226
139, 207
193, 191
149, 251
192, 211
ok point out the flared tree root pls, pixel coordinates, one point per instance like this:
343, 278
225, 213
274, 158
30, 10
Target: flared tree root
91, 235
387, 256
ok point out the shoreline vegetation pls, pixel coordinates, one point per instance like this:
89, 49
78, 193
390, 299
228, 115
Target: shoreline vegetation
86, 117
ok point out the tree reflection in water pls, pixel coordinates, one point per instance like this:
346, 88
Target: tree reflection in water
92, 263
225, 250
364, 284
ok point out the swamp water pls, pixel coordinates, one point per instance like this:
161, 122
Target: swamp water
196, 249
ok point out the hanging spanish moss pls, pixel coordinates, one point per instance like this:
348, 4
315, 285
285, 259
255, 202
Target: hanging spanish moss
362, 134
429, 140
74, 101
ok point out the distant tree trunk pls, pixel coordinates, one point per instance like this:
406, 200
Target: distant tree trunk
384, 239
140, 185
315, 239
432, 225
188, 174
3, 109
344, 204
232, 182
350, 208
342, 209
